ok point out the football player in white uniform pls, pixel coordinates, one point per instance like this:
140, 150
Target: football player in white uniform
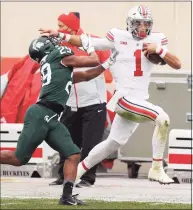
131, 73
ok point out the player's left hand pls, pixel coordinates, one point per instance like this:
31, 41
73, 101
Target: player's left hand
48, 32
149, 49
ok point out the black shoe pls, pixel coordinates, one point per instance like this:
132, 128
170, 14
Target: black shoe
133, 170
58, 181
83, 183
71, 200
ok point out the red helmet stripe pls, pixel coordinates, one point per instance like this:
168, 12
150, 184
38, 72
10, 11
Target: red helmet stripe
143, 10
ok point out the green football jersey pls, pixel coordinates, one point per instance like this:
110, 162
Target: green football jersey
56, 78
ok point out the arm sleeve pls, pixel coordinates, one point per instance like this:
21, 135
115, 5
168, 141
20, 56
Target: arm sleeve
102, 44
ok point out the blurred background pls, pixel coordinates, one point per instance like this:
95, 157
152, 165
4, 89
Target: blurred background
20, 22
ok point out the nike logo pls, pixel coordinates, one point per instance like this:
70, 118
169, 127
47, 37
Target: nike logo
72, 203
46, 118
100, 110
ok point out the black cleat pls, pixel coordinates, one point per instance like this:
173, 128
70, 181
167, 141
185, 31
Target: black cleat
83, 183
71, 201
58, 181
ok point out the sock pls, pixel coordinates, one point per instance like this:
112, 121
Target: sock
158, 143
67, 188
81, 170
96, 155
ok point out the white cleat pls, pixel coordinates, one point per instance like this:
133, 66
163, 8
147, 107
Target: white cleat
160, 176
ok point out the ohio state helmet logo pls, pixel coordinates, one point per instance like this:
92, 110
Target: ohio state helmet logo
143, 11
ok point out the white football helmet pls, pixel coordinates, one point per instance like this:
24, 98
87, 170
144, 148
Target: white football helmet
134, 18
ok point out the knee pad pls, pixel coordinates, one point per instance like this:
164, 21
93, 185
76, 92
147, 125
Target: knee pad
163, 119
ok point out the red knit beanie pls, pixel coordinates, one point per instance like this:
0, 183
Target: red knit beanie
72, 20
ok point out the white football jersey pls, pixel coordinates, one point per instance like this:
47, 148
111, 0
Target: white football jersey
132, 69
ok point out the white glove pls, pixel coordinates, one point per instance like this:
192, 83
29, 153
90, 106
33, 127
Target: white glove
87, 43
111, 60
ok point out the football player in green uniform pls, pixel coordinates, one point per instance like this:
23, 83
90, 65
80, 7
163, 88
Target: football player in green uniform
42, 119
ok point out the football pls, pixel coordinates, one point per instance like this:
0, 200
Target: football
156, 59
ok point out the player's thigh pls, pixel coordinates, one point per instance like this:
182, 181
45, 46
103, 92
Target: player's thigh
33, 133
60, 140
137, 110
122, 129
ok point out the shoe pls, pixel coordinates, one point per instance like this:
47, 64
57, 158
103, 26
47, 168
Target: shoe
83, 183
133, 170
159, 175
71, 201
58, 181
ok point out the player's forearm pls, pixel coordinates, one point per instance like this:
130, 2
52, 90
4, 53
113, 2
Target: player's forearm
79, 41
87, 75
172, 60
81, 61
88, 61
95, 72
92, 73
72, 39
102, 44
75, 40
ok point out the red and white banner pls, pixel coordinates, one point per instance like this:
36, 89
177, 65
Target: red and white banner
180, 150
9, 138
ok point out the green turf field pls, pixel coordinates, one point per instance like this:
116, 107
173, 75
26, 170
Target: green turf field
91, 204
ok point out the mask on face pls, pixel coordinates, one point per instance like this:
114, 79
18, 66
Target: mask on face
64, 31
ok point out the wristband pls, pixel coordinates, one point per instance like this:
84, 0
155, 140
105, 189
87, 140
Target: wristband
160, 51
105, 65
65, 37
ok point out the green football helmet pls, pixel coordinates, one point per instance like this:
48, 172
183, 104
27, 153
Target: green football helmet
40, 47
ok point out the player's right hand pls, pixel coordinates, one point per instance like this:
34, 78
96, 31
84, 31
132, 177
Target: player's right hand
48, 32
